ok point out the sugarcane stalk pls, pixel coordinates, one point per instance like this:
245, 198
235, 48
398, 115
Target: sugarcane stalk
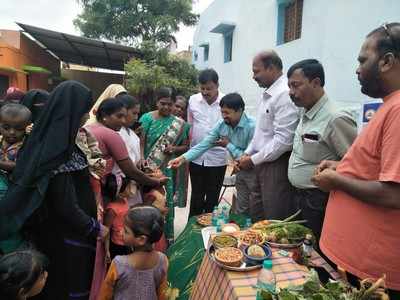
274, 225
370, 291
292, 216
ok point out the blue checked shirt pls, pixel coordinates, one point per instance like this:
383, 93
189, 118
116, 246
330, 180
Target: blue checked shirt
239, 138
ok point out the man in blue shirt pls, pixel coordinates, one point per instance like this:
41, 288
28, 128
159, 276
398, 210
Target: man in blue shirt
234, 133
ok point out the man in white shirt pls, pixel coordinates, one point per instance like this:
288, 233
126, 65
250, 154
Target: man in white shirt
269, 150
207, 172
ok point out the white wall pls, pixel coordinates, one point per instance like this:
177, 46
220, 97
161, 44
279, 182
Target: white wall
332, 32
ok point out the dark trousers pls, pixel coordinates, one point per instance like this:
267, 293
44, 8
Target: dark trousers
244, 184
272, 194
206, 186
312, 203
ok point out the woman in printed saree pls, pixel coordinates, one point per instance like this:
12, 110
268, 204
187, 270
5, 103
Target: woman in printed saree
181, 175
50, 198
164, 135
109, 148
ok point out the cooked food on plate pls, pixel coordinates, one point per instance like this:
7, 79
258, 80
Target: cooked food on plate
222, 241
205, 219
255, 251
251, 237
229, 256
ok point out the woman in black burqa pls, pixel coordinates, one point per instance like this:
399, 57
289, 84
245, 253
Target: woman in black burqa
50, 197
35, 100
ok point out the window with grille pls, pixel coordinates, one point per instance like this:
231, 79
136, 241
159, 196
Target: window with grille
290, 13
293, 15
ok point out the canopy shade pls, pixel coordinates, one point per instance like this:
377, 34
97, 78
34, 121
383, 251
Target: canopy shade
83, 51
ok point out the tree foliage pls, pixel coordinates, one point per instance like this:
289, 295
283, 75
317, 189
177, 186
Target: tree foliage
159, 68
134, 21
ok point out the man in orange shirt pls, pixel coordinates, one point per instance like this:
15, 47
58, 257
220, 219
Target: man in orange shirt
362, 220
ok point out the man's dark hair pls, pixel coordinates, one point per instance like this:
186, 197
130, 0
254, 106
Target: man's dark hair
311, 68
269, 58
388, 38
233, 101
208, 75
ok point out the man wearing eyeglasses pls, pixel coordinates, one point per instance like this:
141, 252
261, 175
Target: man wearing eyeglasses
362, 221
325, 131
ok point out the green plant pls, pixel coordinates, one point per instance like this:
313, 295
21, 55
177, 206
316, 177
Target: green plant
159, 68
134, 21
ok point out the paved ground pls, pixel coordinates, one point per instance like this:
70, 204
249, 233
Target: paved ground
181, 214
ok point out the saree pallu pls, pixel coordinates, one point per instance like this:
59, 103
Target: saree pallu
161, 133
181, 179
100, 264
97, 167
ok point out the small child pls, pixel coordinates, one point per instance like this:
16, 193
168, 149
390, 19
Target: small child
116, 209
22, 274
14, 119
142, 274
155, 196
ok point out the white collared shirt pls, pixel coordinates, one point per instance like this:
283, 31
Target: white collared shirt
277, 119
132, 142
203, 117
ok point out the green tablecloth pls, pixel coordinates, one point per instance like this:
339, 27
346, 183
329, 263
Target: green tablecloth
186, 255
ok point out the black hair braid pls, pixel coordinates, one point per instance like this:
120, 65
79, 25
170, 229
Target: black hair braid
156, 232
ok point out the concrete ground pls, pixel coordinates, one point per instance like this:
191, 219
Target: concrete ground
181, 214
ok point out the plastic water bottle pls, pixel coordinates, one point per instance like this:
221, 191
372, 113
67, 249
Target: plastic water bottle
214, 218
247, 223
225, 213
220, 212
266, 278
220, 222
307, 245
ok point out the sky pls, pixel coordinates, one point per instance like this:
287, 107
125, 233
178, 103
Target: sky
57, 15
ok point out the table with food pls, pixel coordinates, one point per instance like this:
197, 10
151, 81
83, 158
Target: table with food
271, 259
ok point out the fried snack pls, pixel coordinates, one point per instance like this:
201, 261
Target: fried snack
229, 256
251, 237
205, 219
261, 224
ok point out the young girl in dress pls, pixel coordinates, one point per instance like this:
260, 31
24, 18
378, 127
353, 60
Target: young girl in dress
142, 274
22, 274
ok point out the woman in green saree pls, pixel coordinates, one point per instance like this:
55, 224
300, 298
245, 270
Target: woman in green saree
165, 136
181, 174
